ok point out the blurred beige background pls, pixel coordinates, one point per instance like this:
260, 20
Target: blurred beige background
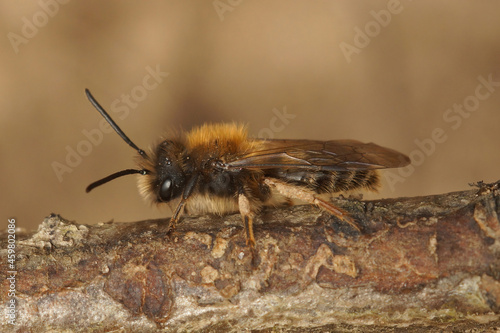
368, 70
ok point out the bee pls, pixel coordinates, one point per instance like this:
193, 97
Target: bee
217, 168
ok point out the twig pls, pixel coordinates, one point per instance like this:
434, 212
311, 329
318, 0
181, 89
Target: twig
426, 262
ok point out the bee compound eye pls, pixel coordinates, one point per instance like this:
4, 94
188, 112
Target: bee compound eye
166, 190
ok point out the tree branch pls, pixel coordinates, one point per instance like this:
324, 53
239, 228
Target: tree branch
426, 262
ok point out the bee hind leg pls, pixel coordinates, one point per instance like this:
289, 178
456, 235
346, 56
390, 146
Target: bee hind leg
295, 192
248, 217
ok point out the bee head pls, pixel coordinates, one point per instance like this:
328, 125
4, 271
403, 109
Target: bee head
166, 179
166, 172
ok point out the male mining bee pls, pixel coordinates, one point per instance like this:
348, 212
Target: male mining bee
217, 168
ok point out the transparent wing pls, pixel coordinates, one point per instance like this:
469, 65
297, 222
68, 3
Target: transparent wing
334, 155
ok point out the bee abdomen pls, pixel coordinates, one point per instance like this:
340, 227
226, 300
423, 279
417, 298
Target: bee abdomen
351, 180
334, 181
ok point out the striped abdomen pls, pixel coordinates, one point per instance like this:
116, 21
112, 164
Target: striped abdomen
329, 181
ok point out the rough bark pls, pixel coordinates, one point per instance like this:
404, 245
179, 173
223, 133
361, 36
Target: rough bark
418, 264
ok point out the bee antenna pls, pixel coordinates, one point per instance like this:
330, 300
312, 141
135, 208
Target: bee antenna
113, 125
114, 176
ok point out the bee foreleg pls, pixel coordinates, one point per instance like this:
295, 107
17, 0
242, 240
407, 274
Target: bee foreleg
177, 214
295, 192
190, 186
248, 215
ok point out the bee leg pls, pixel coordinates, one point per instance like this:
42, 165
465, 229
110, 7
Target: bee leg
295, 192
248, 216
190, 185
177, 214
